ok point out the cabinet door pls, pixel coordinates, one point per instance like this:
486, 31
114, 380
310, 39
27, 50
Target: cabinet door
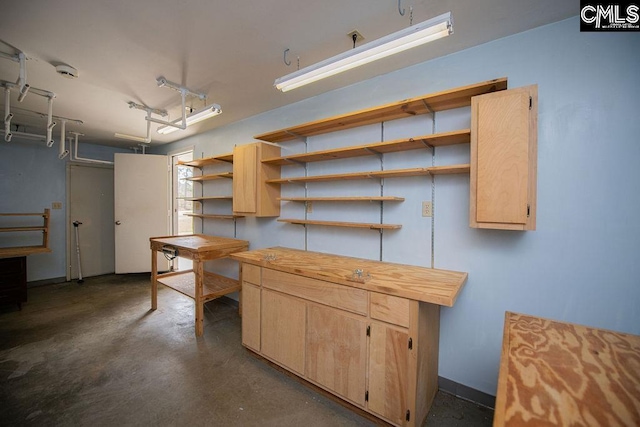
337, 351
388, 372
251, 316
245, 191
504, 159
283, 329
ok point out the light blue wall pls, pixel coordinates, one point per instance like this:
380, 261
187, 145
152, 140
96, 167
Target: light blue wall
31, 178
581, 265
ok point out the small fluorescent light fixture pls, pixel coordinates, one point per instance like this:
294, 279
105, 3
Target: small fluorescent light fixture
424, 32
198, 116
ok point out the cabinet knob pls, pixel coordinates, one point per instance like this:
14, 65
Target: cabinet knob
118, 223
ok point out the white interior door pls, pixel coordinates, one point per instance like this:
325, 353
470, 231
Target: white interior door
90, 201
141, 209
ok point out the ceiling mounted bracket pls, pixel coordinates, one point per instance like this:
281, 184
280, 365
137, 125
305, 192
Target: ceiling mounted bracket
8, 115
401, 10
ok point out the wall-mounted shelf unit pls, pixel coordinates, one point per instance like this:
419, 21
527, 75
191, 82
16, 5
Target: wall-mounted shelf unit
13, 260
503, 141
213, 216
209, 177
371, 226
426, 104
396, 173
204, 199
404, 144
205, 161
343, 199
20, 251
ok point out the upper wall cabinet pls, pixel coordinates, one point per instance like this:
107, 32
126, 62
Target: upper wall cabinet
252, 195
504, 159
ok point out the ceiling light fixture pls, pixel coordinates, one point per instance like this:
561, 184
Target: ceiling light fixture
416, 35
200, 115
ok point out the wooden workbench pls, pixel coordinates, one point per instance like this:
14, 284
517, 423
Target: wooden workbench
365, 331
559, 374
198, 284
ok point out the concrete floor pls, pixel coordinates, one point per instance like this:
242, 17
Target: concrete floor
93, 354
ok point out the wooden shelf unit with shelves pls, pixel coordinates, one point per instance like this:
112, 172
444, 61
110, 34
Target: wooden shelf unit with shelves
10, 252
426, 104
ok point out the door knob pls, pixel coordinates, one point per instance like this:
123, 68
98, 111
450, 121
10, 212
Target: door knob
118, 223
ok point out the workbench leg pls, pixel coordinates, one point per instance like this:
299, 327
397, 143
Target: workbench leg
198, 269
154, 280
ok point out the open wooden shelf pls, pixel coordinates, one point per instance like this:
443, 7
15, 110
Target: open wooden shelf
439, 101
19, 251
215, 285
395, 173
343, 199
343, 224
202, 199
29, 228
213, 216
198, 163
209, 177
404, 144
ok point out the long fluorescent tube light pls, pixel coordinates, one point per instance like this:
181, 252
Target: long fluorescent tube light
424, 32
198, 116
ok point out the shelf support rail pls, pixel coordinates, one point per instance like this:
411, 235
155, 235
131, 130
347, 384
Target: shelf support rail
433, 192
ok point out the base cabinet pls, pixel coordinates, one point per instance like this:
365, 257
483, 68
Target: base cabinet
377, 352
337, 351
283, 330
389, 372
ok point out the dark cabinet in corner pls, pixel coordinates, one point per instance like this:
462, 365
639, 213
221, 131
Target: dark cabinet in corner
13, 280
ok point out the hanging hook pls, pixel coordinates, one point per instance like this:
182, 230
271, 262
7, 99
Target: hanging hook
400, 11
287, 63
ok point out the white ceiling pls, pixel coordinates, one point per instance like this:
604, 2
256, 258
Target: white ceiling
231, 50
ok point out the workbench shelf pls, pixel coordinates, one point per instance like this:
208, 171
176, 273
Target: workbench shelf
372, 226
404, 144
214, 285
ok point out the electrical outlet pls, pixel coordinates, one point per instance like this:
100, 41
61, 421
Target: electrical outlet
427, 209
56, 205
309, 207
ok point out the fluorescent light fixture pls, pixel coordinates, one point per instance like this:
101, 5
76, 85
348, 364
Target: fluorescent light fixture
424, 32
198, 116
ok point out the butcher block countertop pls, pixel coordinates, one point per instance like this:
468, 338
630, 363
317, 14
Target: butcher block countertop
417, 283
